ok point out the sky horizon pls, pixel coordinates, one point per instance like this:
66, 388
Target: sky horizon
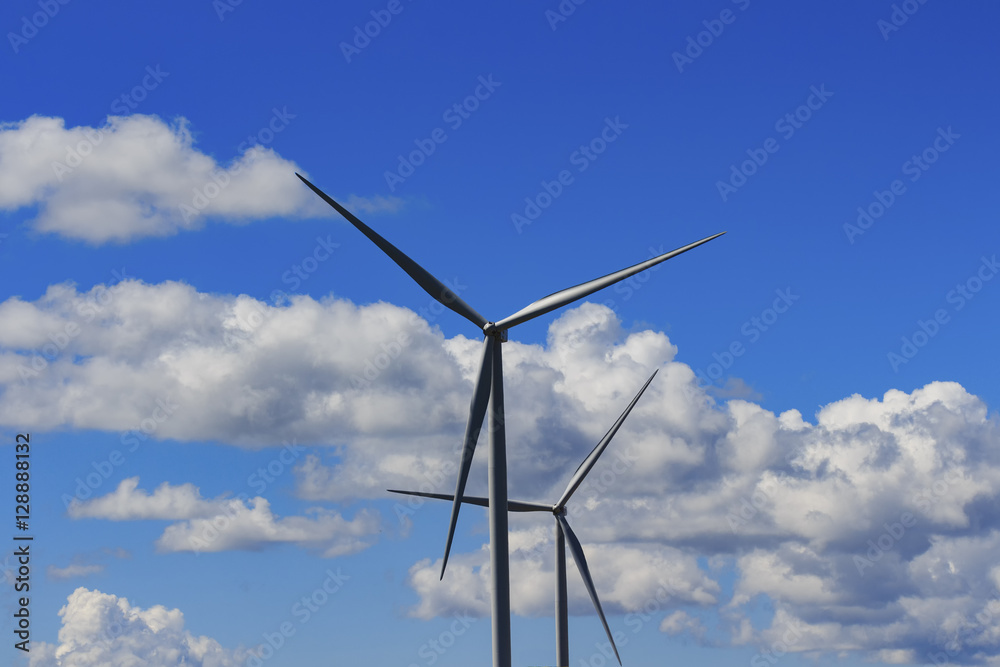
221, 377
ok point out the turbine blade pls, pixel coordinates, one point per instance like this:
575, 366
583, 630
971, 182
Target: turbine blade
561, 298
512, 505
468, 500
520, 506
588, 581
431, 285
588, 463
477, 411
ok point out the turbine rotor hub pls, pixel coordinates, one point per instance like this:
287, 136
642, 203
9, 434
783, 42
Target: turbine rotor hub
490, 329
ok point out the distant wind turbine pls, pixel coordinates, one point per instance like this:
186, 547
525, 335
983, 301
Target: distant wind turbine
488, 393
563, 534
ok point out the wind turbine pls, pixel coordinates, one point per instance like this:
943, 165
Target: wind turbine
563, 534
488, 393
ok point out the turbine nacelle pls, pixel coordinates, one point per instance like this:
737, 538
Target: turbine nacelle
491, 329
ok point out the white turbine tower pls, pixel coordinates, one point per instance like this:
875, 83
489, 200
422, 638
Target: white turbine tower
563, 534
488, 393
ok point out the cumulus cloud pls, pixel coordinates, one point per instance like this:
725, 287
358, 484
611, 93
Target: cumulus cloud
128, 502
254, 527
867, 527
225, 524
99, 629
236, 369
628, 578
681, 622
138, 176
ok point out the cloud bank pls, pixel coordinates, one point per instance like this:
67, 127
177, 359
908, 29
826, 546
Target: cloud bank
226, 524
138, 176
870, 527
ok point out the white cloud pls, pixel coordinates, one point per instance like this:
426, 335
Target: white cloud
86, 564
133, 357
99, 629
72, 570
844, 522
138, 176
254, 527
128, 502
628, 578
680, 622
225, 524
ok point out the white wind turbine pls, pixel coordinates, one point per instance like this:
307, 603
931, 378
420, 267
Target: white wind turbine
488, 393
563, 534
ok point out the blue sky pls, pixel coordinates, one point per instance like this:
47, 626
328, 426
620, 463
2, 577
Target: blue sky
848, 150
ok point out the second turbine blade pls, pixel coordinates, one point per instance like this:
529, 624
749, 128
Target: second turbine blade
588, 581
477, 411
591, 459
569, 295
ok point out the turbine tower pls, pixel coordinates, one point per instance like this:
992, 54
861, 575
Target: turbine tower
488, 394
563, 533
